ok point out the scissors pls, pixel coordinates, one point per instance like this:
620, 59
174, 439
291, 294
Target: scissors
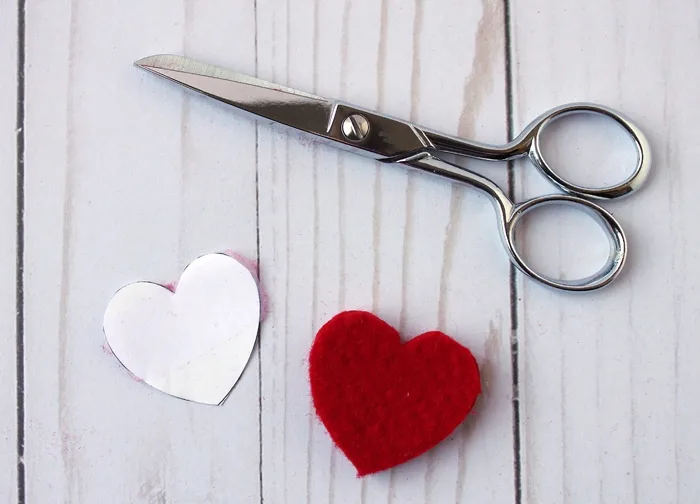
392, 140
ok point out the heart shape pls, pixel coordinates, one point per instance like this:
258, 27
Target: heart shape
192, 343
384, 402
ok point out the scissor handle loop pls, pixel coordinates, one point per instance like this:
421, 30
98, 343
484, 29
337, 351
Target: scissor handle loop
533, 136
613, 231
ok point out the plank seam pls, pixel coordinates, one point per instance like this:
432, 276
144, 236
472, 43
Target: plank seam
257, 240
512, 273
19, 265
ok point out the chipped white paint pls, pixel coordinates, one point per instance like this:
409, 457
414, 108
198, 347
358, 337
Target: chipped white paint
610, 405
339, 232
126, 181
8, 226
128, 178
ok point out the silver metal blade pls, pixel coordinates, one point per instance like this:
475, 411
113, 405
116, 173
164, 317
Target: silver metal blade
383, 137
277, 103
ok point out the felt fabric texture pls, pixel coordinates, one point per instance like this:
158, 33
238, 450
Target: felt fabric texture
384, 402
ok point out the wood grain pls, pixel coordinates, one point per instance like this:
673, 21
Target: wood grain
609, 407
129, 179
340, 232
8, 228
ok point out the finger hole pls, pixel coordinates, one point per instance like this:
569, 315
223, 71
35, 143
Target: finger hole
566, 243
589, 150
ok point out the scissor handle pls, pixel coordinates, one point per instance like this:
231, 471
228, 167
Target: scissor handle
510, 215
613, 231
530, 139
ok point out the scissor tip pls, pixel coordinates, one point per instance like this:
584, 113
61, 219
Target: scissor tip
143, 62
159, 62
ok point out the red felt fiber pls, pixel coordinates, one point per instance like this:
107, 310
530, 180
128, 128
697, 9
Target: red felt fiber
384, 402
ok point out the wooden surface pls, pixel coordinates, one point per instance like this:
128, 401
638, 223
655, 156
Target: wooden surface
8, 225
587, 398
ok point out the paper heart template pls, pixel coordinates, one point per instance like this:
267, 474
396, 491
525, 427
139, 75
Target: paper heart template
384, 402
193, 343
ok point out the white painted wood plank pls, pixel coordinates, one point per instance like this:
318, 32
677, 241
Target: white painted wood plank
341, 232
129, 178
8, 213
609, 405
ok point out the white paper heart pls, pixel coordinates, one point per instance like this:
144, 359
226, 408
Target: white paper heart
194, 343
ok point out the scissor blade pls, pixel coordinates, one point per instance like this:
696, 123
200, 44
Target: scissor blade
387, 138
277, 103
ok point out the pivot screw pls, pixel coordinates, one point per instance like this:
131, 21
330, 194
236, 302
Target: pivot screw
355, 127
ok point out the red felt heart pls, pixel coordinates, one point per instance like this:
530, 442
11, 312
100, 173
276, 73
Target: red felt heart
384, 402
